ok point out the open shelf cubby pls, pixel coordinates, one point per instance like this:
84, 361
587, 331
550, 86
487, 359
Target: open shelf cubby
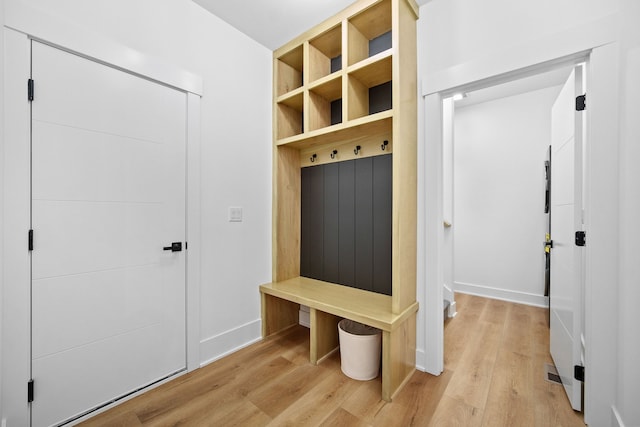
325, 103
369, 32
290, 70
369, 86
325, 54
290, 115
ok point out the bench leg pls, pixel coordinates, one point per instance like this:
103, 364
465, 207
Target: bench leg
398, 357
323, 335
277, 314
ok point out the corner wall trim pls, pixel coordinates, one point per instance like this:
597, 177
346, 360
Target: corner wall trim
616, 419
502, 294
421, 358
221, 345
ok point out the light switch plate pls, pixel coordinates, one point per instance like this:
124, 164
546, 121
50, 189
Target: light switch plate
235, 214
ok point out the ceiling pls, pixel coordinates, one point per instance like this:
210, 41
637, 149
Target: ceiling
273, 23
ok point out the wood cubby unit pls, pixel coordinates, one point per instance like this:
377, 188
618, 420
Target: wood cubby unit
306, 133
321, 96
289, 70
366, 75
366, 26
290, 109
324, 49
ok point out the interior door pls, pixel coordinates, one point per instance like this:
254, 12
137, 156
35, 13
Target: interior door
108, 195
566, 334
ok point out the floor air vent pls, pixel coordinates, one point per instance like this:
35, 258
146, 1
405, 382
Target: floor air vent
551, 374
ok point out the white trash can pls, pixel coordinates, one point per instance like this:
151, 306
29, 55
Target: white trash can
359, 350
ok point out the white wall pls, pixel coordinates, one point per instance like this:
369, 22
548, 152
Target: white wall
463, 30
1, 186
499, 220
235, 149
628, 389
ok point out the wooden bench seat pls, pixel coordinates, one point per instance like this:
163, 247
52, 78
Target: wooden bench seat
328, 303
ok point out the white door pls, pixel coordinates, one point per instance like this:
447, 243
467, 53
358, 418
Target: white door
108, 194
565, 298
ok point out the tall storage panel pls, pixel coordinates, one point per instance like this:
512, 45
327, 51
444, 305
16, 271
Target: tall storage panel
365, 58
345, 90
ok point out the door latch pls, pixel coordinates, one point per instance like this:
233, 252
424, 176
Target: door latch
175, 247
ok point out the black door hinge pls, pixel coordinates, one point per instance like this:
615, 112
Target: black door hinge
30, 240
581, 102
578, 372
30, 391
30, 89
581, 238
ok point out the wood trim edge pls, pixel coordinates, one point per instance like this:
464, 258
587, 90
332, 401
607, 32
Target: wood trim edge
414, 7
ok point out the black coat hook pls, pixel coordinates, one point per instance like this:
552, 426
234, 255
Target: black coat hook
356, 150
384, 145
313, 157
333, 154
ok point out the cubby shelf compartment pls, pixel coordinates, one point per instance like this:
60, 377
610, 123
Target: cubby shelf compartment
366, 95
365, 27
290, 70
290, 114
325, 53
374, 70
352, 131
323, 111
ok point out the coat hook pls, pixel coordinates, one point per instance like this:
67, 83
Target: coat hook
384, 145
333, 154
313, 157
356, 150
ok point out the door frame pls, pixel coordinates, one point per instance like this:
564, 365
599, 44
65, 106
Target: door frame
597, 43
23, 24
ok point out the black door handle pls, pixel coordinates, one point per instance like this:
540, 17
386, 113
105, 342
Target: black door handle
175, 247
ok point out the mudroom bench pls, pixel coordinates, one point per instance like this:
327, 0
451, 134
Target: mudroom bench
328, 303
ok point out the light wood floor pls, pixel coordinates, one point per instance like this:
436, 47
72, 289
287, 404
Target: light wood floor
494, 376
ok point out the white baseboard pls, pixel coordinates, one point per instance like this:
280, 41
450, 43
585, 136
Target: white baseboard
502, 294
452, 311
447, 293
218, 346
616, 419
421, 363
420, 360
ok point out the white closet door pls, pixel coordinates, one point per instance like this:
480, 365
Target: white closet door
566, 218
108, 193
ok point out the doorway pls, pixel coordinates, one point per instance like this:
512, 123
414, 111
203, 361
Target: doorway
482, 160
494, 188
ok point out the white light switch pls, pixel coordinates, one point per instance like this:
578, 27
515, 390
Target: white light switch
235, 214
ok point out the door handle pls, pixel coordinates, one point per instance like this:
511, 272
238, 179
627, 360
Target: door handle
175, 247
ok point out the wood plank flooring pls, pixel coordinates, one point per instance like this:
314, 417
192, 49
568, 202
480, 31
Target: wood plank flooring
495, 354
